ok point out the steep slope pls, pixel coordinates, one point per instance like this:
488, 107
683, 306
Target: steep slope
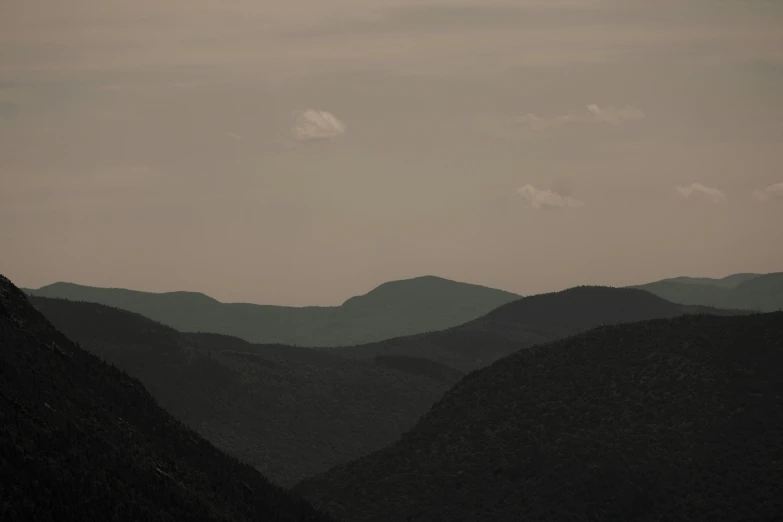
667, 420
80, 440
524, 322
393, 309
758, 292
291, 412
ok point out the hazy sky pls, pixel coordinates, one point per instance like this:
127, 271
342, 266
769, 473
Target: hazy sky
304, 151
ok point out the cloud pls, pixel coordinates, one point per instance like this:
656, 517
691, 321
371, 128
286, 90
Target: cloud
615, 115
313, 125
771, 193
540, 199
699, 191
592, 113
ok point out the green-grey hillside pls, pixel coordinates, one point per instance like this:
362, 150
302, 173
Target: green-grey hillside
759, 292
393, 309
669, 420
291, 412
82, 441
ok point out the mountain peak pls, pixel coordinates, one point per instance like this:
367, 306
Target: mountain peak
585, 306
426, 288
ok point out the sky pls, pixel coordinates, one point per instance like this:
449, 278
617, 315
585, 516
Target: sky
302, 152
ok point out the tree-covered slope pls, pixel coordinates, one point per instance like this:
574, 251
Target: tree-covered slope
291, 412
668, 420
82, 441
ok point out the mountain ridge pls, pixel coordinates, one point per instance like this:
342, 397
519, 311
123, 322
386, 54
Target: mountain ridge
528, 321
759, 292
392, 309
729, 281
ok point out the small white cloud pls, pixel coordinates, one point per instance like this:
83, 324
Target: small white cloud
615, 115
771, 193
697, 190
539, 199
312, 125
593, 113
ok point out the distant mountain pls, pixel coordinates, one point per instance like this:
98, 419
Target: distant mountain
391, 310
80, 440
759, 292
725, 282
677, 419
525, 322
290, 412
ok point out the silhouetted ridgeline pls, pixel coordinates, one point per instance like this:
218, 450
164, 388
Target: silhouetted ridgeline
82, 441
528, 321
665, 420
393, 309
291, 412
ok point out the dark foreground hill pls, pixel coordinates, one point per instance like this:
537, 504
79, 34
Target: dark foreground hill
667, 420
759, 292
391, 310
291, 412
80, 440
528, 321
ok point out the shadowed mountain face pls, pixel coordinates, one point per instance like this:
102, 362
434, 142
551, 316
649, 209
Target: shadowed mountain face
291, 412
391, 310
759, 292
677, 420
80, 440
525, 322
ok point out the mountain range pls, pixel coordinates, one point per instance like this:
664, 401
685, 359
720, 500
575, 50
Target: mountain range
674, 419
80, 440
393, 309
593, 403
759, 292
293, 412
290, 412
526, 322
